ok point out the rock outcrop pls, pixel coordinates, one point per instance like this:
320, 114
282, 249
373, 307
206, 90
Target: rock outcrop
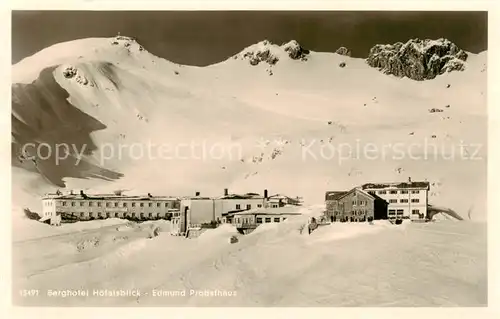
295, 51
267, 52
417, 59
343, 51
261, 54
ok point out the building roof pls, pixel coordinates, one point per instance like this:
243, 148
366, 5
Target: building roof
107, 197
396, 185
359, 190
242, 196
334, 195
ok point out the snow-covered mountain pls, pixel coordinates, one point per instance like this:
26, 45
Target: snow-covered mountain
279, 117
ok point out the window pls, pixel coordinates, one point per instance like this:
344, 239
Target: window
141, 204
116, 214
259, 220
158, 204
124, 204
415, 200
393, 200
166, 204
133, 214
399, 212
259, 205
249, 206
415, 192
392, 212
116, 204
276, 219
275, 206
415, 211
150, 215
82, 214
108, 215
142, 215
91, 204
64, 203
73, 204
99, 204
238, 206
393, 192
403, 201
133, 204
268, 219
81, 203
404, 192
382, 192
353, 203
108, 204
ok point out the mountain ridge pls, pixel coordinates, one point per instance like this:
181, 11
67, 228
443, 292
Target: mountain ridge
142, 99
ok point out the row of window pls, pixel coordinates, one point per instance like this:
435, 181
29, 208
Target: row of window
109, 215
249, 206
268, 220
400, 211
396, 212
400, 192
404, 200
359, 202
117, 204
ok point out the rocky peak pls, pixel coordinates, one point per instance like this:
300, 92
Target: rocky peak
270, 53
127, 42
417, 59
295, 51
343, 51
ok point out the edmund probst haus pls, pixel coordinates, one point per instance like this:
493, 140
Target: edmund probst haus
393, 201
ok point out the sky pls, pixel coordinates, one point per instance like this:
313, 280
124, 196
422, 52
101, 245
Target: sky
206, 37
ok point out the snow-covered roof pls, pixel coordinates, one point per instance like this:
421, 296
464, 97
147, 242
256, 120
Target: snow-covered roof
107, 197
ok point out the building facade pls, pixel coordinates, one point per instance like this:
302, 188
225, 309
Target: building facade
380, 201
197, 210
405, 200
87, 207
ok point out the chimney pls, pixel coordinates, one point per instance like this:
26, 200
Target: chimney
226, 192
149, 195
409, 179
265, 194
197, 194
83, 194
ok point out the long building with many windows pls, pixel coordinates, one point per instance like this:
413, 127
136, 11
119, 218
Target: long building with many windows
58, 207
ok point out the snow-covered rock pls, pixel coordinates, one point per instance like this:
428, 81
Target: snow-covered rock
343, 51
418, 59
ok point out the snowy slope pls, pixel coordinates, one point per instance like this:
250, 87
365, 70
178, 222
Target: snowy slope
120, 94
432, 264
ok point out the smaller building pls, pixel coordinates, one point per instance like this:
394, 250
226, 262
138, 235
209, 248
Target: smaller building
246, 221
280, 200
